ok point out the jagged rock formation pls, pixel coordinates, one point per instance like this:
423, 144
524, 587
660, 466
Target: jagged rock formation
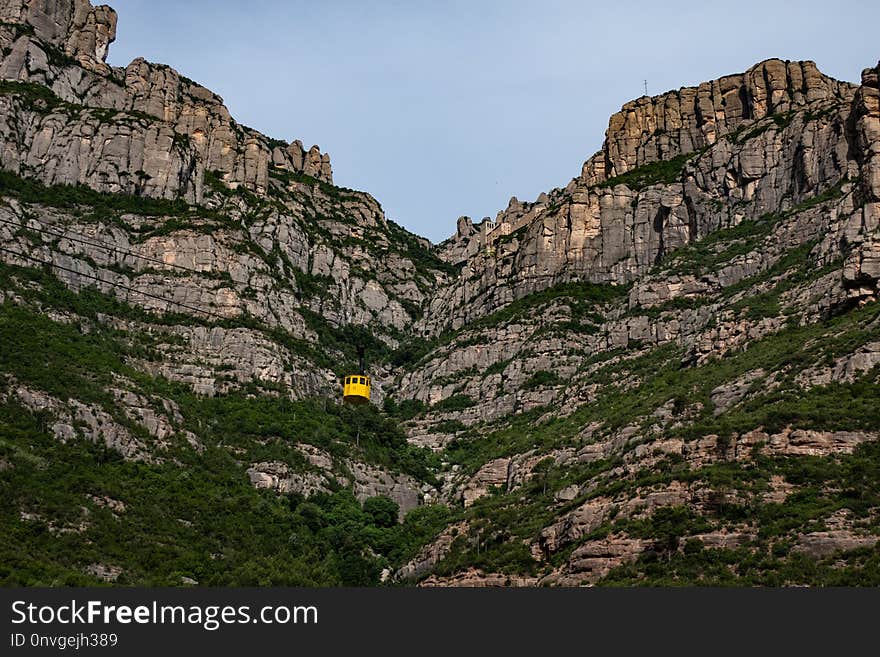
142, 130
665, 372
78, 29
147, 131
733, 149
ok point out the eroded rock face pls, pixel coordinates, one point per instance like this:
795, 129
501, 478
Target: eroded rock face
802, 166
474, 578
272, 251
74, 418
819, 545
150, 131
660, 127
756, 143
279, 477
80, 30
862, 269
365, 480
594, 560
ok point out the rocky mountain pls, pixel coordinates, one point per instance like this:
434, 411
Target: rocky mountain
665, 372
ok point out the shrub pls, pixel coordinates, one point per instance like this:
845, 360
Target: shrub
542, 379
454, 403
382, 510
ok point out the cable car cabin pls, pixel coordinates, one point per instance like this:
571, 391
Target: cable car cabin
357, 389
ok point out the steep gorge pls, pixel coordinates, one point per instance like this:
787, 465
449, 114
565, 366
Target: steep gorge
665, 372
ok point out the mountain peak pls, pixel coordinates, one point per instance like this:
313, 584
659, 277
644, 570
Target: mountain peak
80, 30
653, 128
184, 130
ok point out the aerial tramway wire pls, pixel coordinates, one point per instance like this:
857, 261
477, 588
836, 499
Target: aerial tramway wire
82, 239
128, 288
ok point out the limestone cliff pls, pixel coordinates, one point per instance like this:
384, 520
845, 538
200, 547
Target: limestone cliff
672, 169
143, 130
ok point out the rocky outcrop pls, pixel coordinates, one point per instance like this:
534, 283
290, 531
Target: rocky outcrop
845, 369
279, 477
673, 169
104, 572
494, 474
656, 128
371, 481
613, 424
591, 562
218, 360
782, 182
365, 480
820, 545
432, 554
590, 515
74, 418
474, 578
143, 130
862, 269
78, 29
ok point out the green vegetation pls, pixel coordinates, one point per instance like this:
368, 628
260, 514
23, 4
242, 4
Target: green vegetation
449, 426
191, 513
719, 247
342, 341
542, 379
405, 410
48, 291
60, 360
743, 134
664, 378
396, 239
197, 518
18, 29
583, 297
411, 352
414, 248
654, 173
273, 143
311, 285
666, 526
339, 194
696, 566
99, 205
722, 246
497, 368
42, 100
827, 485
454, 403
35, 97
516, 235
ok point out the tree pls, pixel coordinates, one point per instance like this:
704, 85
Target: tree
382, 510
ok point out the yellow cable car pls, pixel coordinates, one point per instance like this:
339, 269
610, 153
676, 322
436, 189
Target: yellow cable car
357, 386
357, 389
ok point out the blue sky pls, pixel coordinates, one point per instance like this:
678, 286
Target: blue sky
440, 109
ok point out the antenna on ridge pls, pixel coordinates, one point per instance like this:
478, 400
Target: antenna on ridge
646, 87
